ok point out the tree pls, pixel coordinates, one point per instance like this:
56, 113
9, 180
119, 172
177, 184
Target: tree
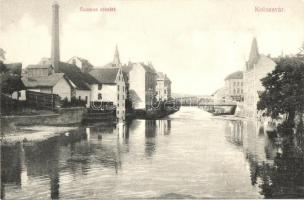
284, 90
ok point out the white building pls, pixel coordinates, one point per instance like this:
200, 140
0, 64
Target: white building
257, 67
72, 82
163, 87
113, 88
234, 86
56, 83
142, 84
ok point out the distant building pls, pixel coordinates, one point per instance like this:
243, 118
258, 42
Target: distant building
40, 70
257, 67
81, 63
220, 95
163, 87
234, 86
113, 89
142, 84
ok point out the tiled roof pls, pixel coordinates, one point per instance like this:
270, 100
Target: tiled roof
46, 81
81, 80
235, 75
105, 75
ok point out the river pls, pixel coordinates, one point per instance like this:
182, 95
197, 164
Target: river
190, 154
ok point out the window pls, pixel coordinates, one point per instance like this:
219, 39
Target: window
123, 88
99, 86
118, 96
118, 87
99, 96
118, 105
79, 97
86, 99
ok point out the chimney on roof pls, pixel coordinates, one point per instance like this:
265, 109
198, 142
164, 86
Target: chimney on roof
55, 57
116, 60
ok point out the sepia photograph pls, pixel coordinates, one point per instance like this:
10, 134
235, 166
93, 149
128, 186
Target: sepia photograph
151, 99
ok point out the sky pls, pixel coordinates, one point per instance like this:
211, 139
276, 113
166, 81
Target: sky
197, 43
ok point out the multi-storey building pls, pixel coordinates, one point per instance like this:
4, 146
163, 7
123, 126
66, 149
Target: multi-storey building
163, 87
234, 86
142, 84
257, 67
112, 90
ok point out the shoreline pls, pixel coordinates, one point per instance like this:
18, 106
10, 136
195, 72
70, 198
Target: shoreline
34, 133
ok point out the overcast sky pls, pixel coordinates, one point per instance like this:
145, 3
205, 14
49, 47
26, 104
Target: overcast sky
197, 43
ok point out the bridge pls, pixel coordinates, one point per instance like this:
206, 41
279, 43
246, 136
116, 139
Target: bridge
209, 103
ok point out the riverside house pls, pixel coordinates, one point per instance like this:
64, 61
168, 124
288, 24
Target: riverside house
257, 67
68, 82
234, 86
163, 87
112, 88
142, 94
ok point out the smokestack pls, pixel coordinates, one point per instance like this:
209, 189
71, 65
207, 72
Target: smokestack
55, 37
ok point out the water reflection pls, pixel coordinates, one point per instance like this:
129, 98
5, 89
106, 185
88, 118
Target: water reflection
46, 165
276, 165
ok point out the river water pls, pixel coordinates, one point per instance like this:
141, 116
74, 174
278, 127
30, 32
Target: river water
187, 155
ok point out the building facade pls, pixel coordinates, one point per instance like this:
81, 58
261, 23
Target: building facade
257, 67
163, 87
142, 84
56, 83
234, 86
112, 88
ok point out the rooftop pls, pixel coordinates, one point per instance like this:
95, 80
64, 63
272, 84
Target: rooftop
47, 81
106, 75
235, 75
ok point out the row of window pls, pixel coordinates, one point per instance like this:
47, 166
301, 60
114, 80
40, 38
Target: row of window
238, 91
123, 88
237, 83
123, 97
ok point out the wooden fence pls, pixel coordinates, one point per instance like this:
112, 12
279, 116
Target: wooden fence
41, 100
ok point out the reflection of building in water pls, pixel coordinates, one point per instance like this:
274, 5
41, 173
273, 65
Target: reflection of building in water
163, 127
247, 134
234, 132
150, 133
42, 160
10, 166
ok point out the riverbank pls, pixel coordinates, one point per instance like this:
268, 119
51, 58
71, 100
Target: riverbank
61, 117
33, 133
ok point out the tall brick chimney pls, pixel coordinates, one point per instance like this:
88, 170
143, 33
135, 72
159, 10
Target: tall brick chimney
55, 57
